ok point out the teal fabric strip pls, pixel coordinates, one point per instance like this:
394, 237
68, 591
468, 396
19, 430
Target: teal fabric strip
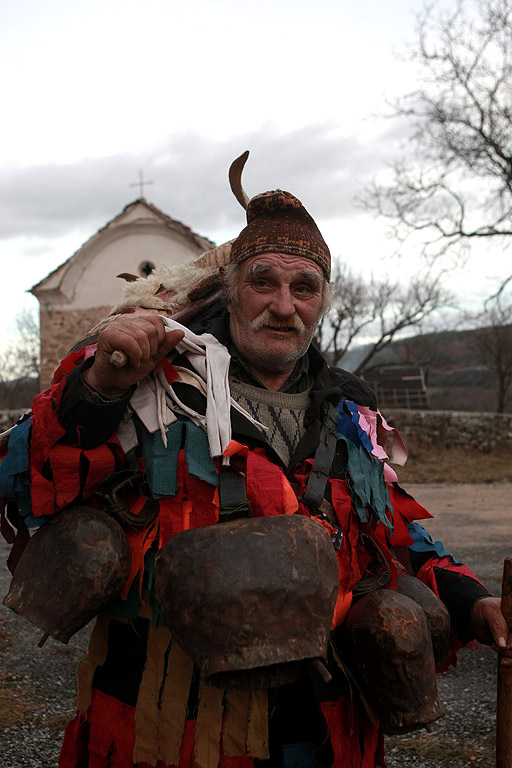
149, 565
131, 606
162, 461
369, 491
197, 451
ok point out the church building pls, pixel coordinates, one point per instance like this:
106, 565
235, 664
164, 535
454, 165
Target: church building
82, 291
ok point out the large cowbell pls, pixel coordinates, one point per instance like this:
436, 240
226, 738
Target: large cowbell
250, 600
70, 568
388, 642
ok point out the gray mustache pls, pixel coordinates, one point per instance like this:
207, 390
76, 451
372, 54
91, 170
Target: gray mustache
267, 319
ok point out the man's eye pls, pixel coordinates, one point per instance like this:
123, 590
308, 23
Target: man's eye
260, 282
304, 290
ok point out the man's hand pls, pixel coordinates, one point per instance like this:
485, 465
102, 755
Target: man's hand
491, 629
143, 339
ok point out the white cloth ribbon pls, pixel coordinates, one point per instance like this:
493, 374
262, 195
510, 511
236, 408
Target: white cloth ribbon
156, 403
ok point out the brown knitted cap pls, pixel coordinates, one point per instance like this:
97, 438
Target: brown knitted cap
278, 222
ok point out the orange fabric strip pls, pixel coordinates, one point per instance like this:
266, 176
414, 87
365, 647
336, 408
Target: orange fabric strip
236, 723
96, 655
173, 712
257, 737
147, 711
209, 726
139, 542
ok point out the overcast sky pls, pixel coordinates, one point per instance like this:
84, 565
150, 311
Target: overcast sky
93, 91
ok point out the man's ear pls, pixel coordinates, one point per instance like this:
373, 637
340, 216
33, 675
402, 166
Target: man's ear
226, 291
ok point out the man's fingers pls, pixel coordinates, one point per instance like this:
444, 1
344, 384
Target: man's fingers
128, 349
171, 339
138, 337
489, 623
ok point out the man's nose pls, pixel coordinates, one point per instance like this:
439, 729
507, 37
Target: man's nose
282, 304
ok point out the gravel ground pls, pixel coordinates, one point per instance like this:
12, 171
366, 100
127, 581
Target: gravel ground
37, 685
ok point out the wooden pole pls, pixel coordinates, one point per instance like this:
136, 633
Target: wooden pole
504, 702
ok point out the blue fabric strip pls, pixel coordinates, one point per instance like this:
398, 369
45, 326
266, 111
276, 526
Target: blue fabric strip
15, 470
348, 424
422, 542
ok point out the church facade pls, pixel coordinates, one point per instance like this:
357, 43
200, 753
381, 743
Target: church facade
79, 293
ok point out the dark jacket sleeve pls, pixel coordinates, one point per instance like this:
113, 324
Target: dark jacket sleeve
458, 591
89, 419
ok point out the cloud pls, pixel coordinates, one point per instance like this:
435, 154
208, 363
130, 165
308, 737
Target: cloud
189, 175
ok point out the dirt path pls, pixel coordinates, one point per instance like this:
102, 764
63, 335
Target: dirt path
474, 522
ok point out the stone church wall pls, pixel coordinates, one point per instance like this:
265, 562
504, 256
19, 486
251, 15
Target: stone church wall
60, 330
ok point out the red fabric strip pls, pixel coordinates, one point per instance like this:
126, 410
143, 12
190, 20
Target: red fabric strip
264, 485
406, 505
103, 460
105, 739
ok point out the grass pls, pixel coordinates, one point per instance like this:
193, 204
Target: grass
15, 702
455, 464
21, 701
19, 704
442, 750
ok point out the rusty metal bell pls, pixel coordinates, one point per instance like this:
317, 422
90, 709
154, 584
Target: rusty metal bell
436, 612
250, 600
388, 641
70, 568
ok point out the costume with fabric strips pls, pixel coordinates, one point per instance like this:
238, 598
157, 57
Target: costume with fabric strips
120, 679
158, 458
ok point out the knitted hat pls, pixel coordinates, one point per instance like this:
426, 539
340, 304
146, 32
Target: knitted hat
278, 222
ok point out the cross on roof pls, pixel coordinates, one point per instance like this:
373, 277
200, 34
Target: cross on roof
141, 183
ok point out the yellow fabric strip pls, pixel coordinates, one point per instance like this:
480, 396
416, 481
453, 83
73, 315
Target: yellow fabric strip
257, 737
209, 726
173, 712
147, 712
236, 723
97, 653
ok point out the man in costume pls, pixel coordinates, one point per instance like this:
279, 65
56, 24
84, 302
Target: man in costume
230, 414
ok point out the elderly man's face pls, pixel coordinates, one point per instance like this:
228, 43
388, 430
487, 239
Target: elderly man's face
278, 304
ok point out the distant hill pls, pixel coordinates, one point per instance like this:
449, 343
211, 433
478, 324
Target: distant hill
456, 366
453, 364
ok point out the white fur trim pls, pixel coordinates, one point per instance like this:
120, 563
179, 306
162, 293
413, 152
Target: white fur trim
180, 278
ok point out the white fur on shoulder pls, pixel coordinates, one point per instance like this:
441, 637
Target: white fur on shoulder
179, 278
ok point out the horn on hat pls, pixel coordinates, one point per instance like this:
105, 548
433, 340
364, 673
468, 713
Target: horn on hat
235, 179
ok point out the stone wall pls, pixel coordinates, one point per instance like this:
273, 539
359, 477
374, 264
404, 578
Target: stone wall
60, 330
477, 429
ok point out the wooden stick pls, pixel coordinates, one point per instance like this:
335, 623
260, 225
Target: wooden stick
504, 702
118, 359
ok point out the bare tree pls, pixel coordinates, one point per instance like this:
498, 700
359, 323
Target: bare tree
453, 183
494, 344
20, 359
373, 313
